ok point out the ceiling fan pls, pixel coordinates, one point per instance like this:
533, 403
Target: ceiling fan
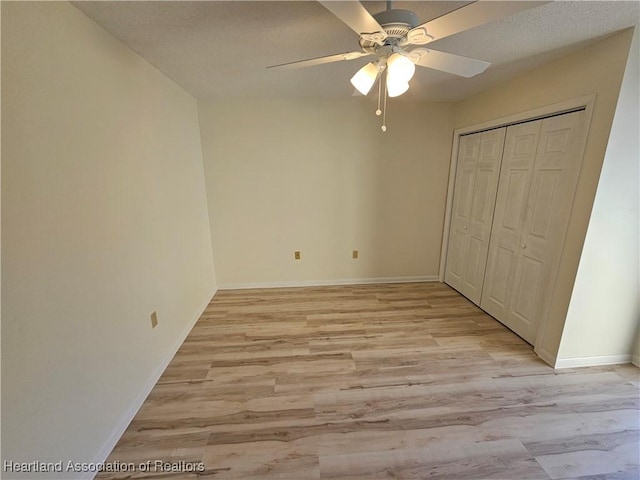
396, 41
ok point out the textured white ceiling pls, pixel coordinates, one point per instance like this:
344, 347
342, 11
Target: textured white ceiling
220, 49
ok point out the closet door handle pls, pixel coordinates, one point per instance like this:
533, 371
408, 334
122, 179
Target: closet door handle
466, 226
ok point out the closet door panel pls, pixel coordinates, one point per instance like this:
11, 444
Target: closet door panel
468, 153
555, 176
522, 313
481, 218
474, 271
473, 205
532, 224
511, 204
502, 258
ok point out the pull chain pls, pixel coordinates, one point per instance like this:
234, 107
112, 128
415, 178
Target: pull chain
381, 88
384, 109
378, 111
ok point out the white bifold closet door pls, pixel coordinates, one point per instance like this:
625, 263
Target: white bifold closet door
538, 177
512, 201
478, 169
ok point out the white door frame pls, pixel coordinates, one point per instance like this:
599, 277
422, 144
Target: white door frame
585, 102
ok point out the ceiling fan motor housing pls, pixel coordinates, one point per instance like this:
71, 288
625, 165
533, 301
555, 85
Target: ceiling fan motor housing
396, 23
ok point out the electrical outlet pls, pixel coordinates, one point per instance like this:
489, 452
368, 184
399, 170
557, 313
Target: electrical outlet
154, 319
354, 254
296, 255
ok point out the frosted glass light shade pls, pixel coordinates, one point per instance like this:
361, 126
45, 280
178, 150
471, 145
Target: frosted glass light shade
364, 78
395, 88
400, 68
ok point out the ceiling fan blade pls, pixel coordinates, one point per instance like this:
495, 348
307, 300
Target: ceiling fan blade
467, 17
338, 57
357, 18
448, 62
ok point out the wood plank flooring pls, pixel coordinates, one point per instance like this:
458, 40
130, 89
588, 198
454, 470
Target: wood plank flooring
402, 381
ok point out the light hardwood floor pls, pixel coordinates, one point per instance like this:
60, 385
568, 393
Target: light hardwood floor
402, 381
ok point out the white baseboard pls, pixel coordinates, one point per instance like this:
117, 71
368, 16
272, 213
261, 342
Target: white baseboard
636, 359
325, 283
592, 361
124, 422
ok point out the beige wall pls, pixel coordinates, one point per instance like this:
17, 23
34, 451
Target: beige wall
104, 220
604, 312
320, 177
596, 69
